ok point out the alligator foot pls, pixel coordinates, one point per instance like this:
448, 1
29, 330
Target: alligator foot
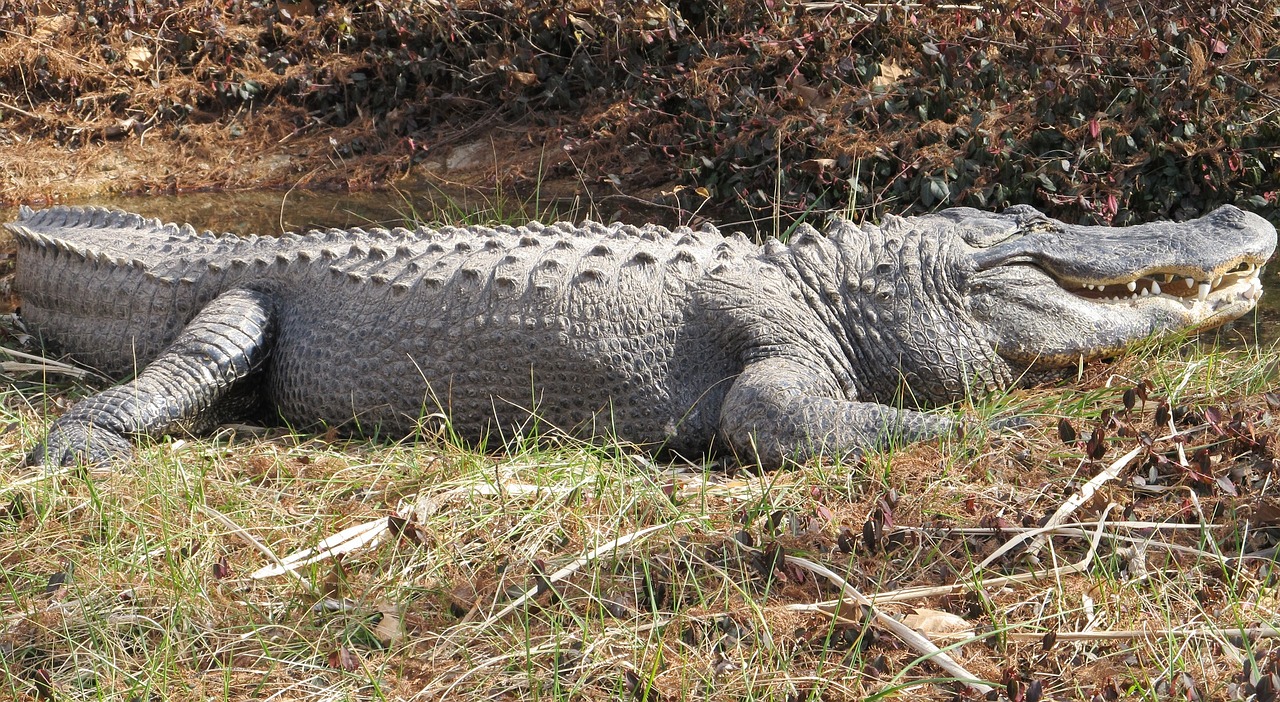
75, 443
227, 341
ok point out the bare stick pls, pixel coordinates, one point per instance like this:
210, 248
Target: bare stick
574, 567
247, 537
1086, 493
1248, 632
42, 365
920, 593
909, 636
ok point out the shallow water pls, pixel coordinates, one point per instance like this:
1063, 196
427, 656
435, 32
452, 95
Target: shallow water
275, 212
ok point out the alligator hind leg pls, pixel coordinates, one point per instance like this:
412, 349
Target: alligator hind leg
772, 414
227, 341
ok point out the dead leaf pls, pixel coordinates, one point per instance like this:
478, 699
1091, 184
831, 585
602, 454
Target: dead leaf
296, 9
1266, 513
816, 166
524, 78
890, 72
344, 659
389, 629
138, 59
583, 26
936, 624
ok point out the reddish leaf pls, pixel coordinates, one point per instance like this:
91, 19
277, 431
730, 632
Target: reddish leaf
886, 515
1066, 432
1227, 487
1214, 417
1050, 640
845, 540
55, 583
1162, 414
774, 557
870, 539
406, 530
42, 680
1097, 446
1203, 461
344, 659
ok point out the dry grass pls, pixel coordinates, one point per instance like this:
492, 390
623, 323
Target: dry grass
137, 584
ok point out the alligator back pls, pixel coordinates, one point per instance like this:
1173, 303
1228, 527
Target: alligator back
586, 324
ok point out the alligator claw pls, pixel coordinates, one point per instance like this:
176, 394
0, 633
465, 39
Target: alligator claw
77, 443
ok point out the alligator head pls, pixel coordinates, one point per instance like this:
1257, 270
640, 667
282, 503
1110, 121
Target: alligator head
966, 300
1051, 294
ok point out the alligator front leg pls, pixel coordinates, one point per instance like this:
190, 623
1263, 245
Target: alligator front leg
772, 413
227, 341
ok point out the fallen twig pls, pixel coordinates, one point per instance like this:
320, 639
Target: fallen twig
917, 641
39, 364
247, 537
367, 534
1244, 632
919, 593
1072, 503
574, 567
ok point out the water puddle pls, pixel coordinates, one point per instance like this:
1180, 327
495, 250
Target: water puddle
270, 212
275, 212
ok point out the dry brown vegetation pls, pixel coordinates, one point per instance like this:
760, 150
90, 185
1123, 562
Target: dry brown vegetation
1110, 112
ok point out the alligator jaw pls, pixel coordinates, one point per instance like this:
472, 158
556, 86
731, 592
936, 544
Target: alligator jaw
1229, 286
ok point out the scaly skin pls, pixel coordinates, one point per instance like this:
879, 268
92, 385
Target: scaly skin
674, 341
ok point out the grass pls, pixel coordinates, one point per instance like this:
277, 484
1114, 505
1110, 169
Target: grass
135, 584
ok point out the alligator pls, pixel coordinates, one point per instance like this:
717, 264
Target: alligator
678, 340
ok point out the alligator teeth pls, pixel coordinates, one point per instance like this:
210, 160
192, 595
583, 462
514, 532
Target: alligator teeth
1191, 282
1168, 278
1202, 293
1155, 287
1132, 285
1145, 291
1217, 281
